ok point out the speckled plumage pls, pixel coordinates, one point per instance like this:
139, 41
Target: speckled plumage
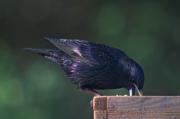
93, 66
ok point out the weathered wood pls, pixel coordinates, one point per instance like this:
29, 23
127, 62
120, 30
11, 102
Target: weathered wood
136, 107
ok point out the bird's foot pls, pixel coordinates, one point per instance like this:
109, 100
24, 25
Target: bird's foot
91, 103
92, 91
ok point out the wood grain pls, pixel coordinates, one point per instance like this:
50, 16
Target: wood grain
145, 107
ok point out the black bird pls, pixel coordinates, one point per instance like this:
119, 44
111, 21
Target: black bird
91, 66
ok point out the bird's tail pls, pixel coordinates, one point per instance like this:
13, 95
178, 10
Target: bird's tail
50, 54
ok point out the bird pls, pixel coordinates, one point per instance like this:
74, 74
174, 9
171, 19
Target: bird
93, 66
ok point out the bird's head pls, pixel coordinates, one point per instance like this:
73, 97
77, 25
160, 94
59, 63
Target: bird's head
137, 75
133, 71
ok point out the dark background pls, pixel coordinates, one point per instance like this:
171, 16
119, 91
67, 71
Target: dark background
34, 88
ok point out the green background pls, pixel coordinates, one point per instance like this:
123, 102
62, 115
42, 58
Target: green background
34, 88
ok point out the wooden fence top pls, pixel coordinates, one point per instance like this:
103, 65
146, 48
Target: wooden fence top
136, 107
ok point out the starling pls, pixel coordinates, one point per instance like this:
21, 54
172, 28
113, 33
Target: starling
91, 66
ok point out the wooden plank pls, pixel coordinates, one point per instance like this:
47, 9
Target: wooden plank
136, 107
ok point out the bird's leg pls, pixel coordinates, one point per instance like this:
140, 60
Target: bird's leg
137, 89
130, 91
92, 91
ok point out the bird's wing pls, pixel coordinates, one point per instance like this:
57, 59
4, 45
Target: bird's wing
90, 56
70, 47
85, 51
103, 65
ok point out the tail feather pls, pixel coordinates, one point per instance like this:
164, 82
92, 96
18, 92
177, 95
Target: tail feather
44, 52
50, 54
55, 56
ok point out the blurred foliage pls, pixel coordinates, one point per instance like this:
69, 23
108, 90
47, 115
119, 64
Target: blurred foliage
34, 88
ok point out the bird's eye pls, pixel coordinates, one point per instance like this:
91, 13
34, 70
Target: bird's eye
101, 54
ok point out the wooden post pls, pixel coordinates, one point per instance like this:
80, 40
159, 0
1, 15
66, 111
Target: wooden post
136, 107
